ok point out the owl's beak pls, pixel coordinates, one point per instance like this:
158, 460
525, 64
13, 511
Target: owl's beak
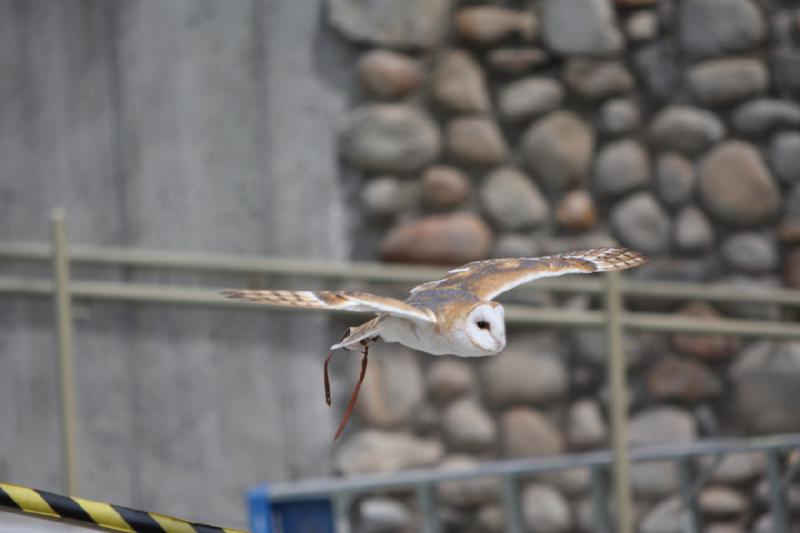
501, 343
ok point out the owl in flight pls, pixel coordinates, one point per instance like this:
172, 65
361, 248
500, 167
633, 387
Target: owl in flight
454, 315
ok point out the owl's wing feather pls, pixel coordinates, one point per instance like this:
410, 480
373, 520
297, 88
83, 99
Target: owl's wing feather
334, 300
487, 279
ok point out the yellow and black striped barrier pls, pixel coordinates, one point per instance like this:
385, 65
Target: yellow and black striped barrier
96, 513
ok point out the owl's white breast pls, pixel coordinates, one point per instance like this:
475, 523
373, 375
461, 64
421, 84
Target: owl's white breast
425, 337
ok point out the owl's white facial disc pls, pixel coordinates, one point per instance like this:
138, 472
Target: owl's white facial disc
485, 328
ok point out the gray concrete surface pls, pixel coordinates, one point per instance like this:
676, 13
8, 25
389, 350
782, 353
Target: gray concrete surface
191, 125
12, 522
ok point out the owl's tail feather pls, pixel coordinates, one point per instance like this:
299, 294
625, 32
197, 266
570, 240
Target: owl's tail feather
354, 337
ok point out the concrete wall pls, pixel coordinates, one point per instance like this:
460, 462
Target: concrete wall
20, 523
191, 125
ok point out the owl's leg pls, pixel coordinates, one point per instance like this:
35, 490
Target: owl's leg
353, 397
325, 370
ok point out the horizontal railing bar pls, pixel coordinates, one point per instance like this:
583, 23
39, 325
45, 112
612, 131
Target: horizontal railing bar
522, 467
24, 250
26, 287
170, 294
660, 322
379, 272
549, 316
219, 262
717, 292
515, 314
244, 264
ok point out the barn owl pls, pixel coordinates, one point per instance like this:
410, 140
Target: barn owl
454, 315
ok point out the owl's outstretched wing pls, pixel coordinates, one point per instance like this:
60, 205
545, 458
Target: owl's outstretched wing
487, 279
338, 300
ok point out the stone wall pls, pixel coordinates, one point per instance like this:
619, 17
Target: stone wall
526, 128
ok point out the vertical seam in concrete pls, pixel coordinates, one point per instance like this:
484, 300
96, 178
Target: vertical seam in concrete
112, 16
261, 52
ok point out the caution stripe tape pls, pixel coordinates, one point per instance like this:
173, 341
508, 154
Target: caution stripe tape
101, 514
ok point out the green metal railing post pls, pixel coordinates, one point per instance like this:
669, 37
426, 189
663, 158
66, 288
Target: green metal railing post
689, 490
599, 491
777, 498
515, 522
426, 500
66, 359
341, 512
619, 406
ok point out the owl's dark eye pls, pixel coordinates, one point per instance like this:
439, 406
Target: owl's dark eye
482, 324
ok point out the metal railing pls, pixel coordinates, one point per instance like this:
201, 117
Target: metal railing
292, 507
65, 290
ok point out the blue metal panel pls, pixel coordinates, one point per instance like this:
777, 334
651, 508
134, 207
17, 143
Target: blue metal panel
299, 516
258, 508
320, 506
303, 516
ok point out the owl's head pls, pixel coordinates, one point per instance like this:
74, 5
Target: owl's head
484, 329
